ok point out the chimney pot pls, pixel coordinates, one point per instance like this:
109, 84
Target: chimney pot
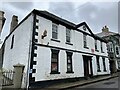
105, 29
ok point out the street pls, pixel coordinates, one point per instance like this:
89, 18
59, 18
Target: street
111, 83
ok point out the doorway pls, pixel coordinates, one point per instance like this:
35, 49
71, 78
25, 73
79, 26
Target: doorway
88, 70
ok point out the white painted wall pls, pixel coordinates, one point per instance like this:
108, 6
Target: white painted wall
22, 42
43, 67
20, 51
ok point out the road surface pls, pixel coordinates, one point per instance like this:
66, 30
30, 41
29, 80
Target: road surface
111, 83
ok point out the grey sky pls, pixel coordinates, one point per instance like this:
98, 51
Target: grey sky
96, 14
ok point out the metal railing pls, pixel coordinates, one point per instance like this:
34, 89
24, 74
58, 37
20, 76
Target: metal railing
7, 77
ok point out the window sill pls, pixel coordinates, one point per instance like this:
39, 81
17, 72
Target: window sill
105, 70
98, 70
86, 47
69, 43
102, 52
69, 72
96, 50
55, 40
55, 73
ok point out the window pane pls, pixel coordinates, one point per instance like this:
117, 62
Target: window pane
54, 60
101, 47
54, 67
117, 51
85, 41
67, 39
69, 62
54, 31
95, 44
98, 63
68, 35
69, 68
54, 35
104, 66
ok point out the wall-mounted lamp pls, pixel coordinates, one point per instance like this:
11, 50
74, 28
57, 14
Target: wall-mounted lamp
44, 34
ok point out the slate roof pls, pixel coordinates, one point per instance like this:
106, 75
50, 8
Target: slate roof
58, 20
104, 34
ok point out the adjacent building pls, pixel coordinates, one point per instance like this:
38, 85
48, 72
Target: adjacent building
113, 47
52, 48
2, 21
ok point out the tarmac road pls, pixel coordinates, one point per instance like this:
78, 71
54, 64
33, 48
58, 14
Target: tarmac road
111, 83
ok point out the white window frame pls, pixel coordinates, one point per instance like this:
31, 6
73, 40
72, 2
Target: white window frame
68, 35
54, 31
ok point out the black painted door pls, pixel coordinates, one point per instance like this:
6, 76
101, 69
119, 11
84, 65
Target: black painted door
88, 70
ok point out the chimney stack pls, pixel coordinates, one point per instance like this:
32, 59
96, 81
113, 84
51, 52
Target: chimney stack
14, 23
105, 29
2, 21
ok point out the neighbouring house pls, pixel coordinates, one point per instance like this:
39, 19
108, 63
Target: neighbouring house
113, 47
2, 21
52, 48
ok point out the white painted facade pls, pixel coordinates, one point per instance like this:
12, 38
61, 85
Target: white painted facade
20, 53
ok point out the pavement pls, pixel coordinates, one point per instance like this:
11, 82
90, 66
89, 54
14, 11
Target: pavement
73, 84
70, 85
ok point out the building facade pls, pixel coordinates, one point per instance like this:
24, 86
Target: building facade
52, 48
113, 47
2, 22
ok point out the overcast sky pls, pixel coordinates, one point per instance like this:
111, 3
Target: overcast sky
95, 14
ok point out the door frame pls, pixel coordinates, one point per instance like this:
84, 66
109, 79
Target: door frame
88, 69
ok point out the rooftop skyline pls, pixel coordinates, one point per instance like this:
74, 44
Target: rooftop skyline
96, 14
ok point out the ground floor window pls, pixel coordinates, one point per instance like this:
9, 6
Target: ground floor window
69, 62
54, 60
104, 64
98, 64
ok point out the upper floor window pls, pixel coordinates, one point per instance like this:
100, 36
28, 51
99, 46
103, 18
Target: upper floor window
110, 47
117, 50
54, 31
68, 35
12, 42
69, 62
101, 45
95, 44
85, 40
54, 61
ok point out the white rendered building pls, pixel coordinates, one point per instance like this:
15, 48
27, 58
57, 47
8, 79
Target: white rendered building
52, 48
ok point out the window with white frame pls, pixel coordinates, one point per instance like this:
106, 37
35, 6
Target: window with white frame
110, 47
117, 50
101, 45
68, 35
104, 64
54, 61
69, 62
54, 31
85, 40
98, 63
95, 44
